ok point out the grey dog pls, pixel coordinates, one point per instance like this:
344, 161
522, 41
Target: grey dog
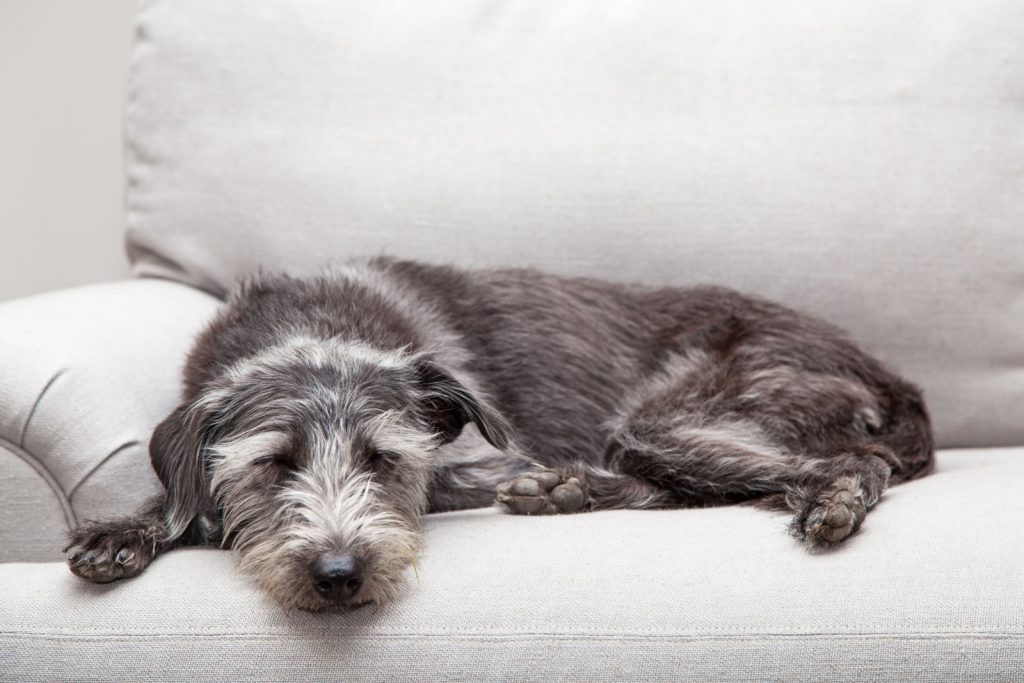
309, 438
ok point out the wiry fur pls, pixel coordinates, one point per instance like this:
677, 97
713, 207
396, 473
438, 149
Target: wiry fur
315, 411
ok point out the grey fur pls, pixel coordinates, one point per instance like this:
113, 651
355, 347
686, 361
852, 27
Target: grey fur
315, 410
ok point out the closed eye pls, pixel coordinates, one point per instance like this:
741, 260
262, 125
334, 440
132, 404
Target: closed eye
279, 460
380, 458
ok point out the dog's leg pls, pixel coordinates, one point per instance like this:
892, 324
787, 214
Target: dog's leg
579, 488
467, 478
672, 460
544, 492
120, 548
725, 462
670, 464
836, 493
829, 495
703, 462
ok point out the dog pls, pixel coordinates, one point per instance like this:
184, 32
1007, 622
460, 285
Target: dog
310, 436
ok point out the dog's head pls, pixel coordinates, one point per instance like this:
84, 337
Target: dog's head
316, 456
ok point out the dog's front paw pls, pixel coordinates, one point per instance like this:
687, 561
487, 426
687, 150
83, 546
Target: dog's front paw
545, 492
104, 552
834, 515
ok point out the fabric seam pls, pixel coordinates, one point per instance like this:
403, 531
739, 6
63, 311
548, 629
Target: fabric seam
95, 468
922, 636
35, 406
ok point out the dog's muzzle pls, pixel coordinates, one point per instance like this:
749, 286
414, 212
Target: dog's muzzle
337, 577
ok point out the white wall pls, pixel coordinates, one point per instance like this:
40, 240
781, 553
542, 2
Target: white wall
63, 65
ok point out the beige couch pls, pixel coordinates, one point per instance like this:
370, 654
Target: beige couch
861, 160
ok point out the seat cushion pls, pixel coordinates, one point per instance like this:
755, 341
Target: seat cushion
932, 588
860, 160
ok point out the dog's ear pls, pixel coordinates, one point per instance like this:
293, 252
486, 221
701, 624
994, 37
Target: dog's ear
449, 404
176, 451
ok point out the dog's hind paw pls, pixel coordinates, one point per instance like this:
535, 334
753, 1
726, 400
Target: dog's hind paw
834, 515
544, 492
104, 552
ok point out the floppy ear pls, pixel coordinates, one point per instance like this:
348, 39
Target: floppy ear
176, 452
449, 404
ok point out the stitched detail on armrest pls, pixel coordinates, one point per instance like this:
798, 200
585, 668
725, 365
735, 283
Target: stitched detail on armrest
32, 412
95, 468
65, 503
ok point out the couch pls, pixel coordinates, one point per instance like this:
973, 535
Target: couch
863, 161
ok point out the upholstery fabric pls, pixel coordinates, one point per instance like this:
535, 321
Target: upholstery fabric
864, 160
86, 375
931, 589
35, 514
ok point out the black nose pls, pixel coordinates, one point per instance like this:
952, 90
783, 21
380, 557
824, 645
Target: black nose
336, 576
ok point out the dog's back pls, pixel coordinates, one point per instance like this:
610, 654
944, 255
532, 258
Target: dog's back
566, 357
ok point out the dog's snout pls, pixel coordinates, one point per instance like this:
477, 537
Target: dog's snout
337, 576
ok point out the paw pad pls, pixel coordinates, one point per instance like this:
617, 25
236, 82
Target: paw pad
102, 553
544, 492
834, 518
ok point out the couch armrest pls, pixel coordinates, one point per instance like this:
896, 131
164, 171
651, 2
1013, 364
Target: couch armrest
85, 375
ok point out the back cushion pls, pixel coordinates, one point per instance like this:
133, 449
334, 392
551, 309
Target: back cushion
861, 160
